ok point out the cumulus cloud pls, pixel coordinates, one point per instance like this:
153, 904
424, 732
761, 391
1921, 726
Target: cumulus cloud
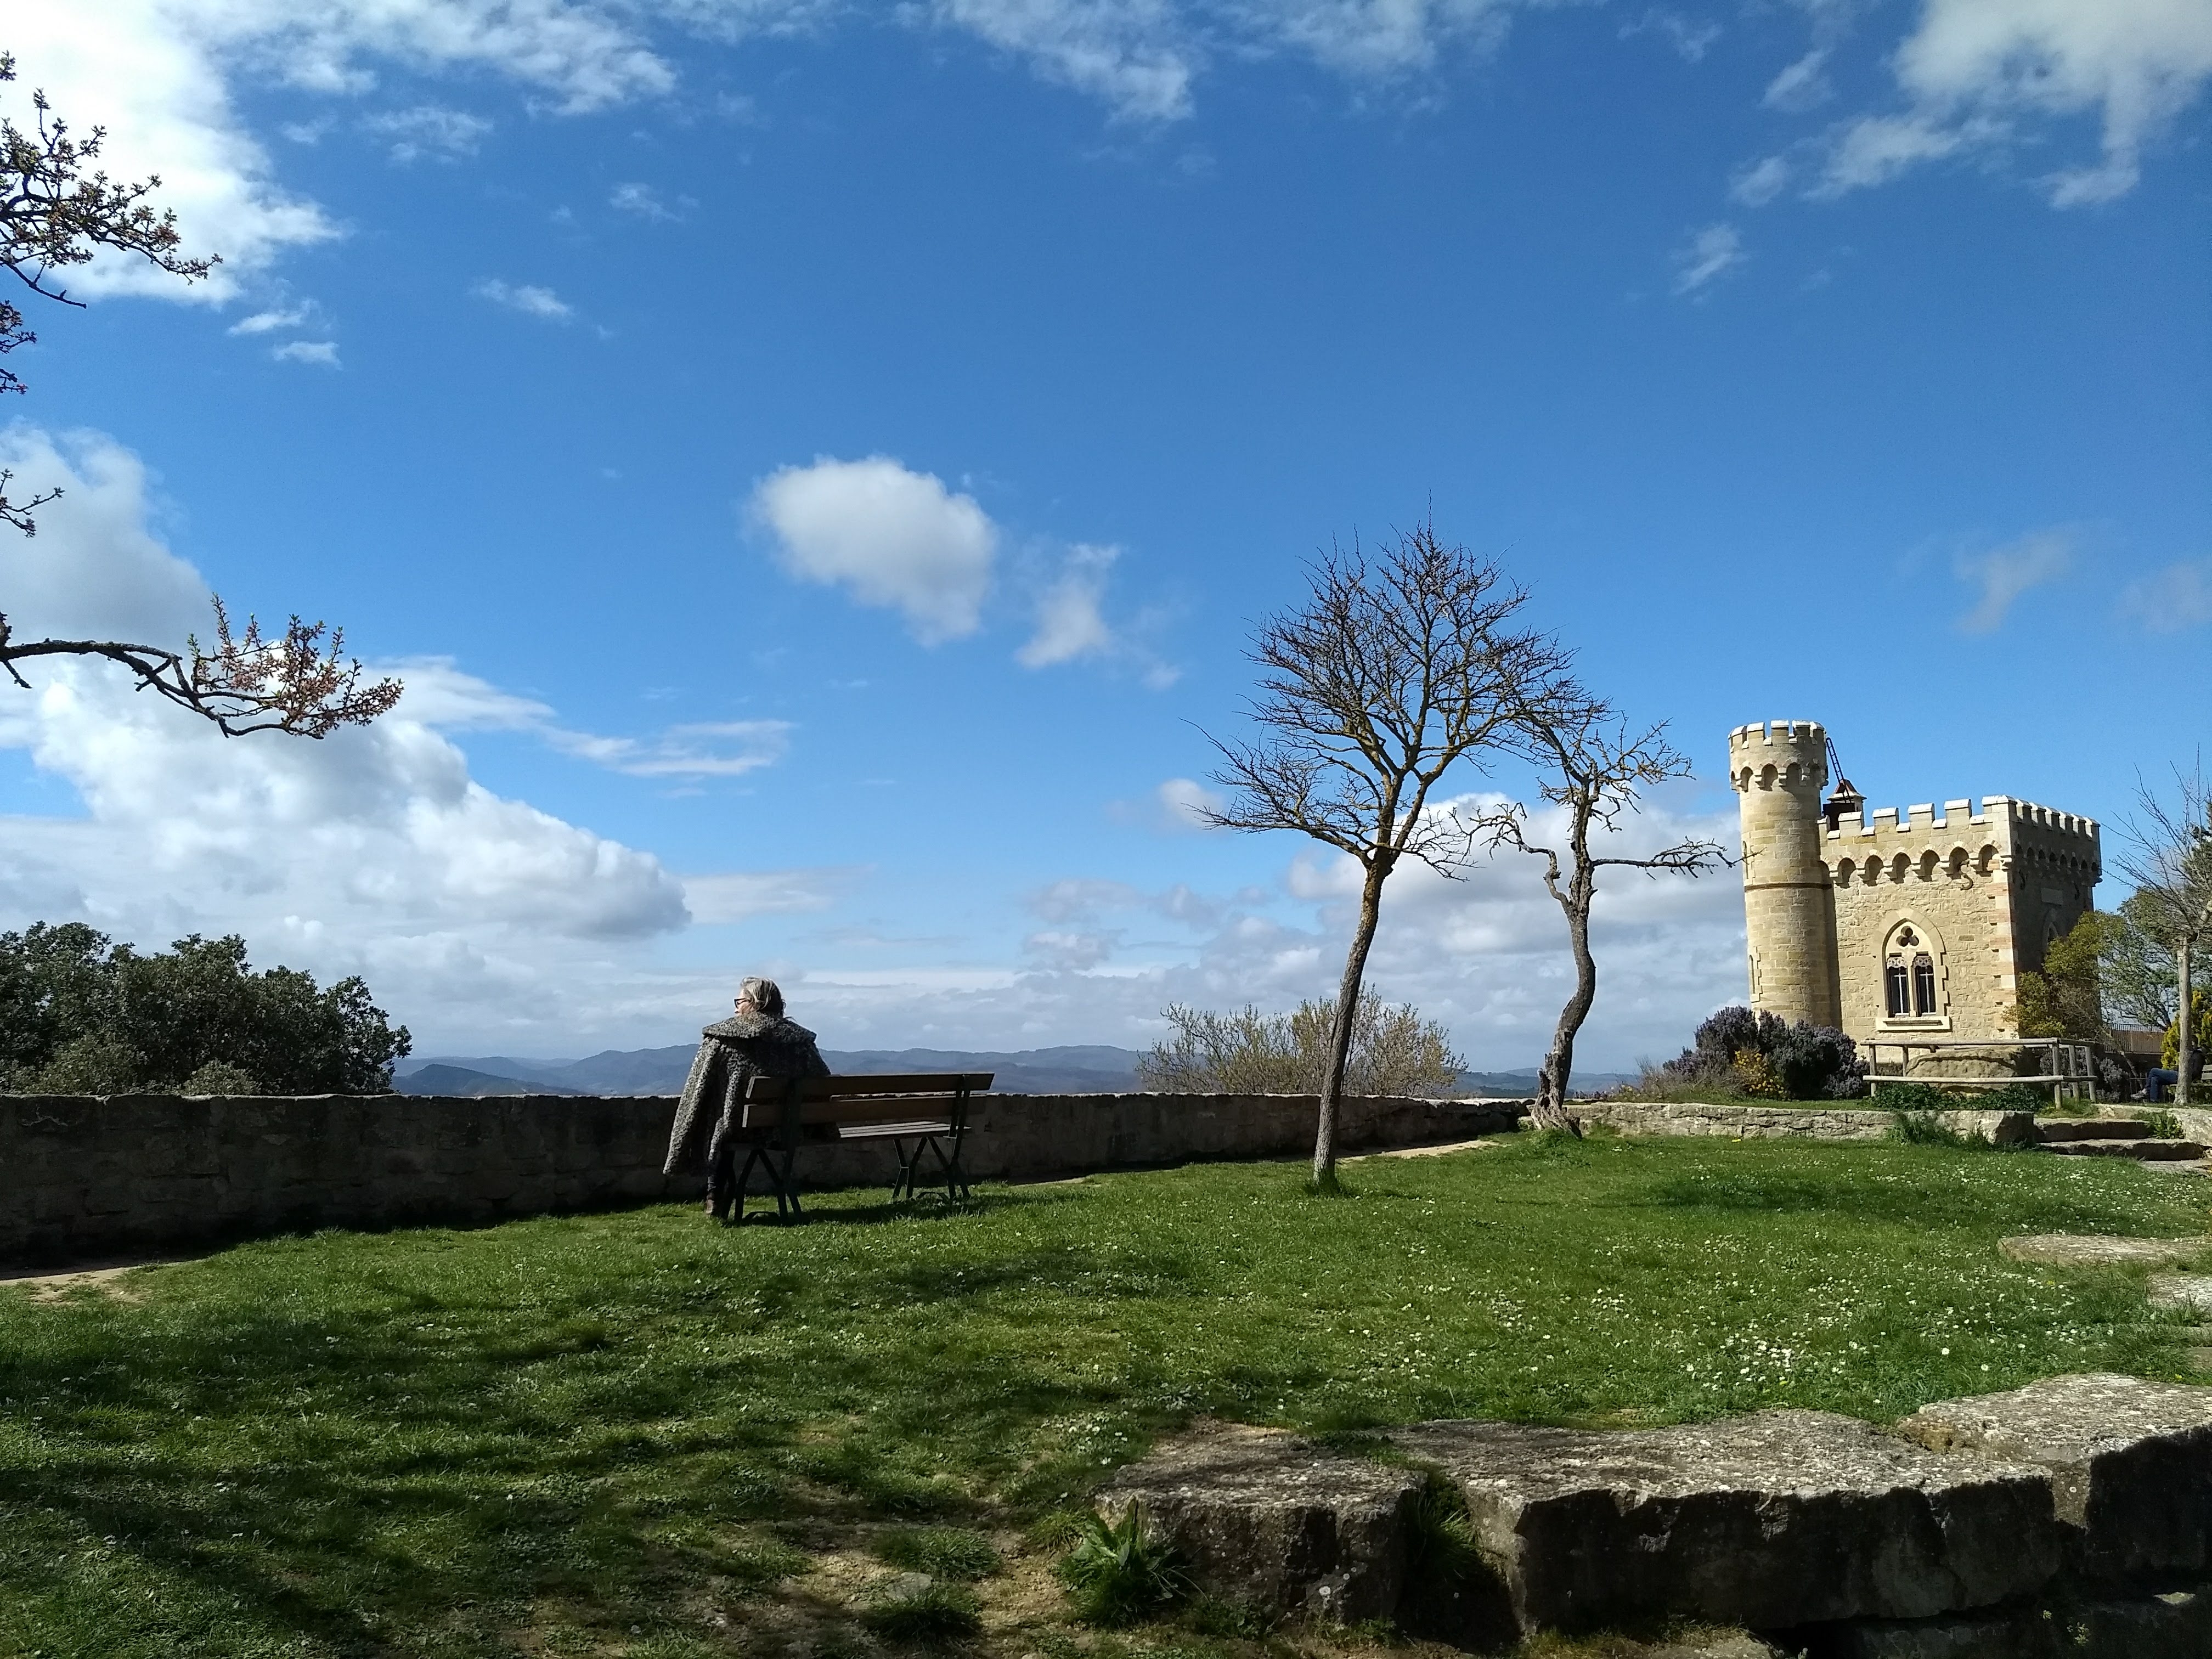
1708, 255
527, 298
1070, 623
640, 199
428, 129
891, 537
2171, 600
1691, 38
372, 851
1761, 182
2002, 573
1183, 804
322, 353
1803, 85
1979, 77
271, 322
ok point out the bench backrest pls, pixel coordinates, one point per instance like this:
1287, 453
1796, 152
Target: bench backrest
787, 1103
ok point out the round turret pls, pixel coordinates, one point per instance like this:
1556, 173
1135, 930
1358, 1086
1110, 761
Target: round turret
1778, 771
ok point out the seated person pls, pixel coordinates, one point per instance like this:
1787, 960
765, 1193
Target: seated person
755, 1040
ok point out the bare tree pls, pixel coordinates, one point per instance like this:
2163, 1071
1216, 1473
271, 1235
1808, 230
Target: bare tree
1594, 768
1400, 665
53, 215
2169, 859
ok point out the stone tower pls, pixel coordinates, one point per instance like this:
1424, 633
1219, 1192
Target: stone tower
1778, 771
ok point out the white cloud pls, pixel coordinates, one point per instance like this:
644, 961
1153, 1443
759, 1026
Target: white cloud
1692, 39
2170, 600
1978, 76
428, 129
643, 200
711, 749
372, 851
268, 322
324, 353
891, 537
1760, 183
1708, 255
2003, 573
442, 696
738, 896
159, 76
1070, 623
1136, 56
1183, 804
1803, 85
527, 298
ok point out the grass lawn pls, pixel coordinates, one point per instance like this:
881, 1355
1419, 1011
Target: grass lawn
640, 1434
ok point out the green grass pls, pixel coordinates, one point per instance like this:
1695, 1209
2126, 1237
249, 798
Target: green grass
641, 1434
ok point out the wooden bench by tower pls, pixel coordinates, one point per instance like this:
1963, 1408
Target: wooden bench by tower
922, 1114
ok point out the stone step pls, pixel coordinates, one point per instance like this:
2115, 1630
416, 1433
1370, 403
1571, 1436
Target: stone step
2050, 1129
1772, 1521
2130, 1463
2146, 1150
2101, 1250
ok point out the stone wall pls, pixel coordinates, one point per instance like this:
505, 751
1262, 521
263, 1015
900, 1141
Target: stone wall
1805, 1121
83, 1176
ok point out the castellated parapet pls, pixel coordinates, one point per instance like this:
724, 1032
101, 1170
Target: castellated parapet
1906, 921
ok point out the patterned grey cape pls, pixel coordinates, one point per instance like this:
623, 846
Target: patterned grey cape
743, 1046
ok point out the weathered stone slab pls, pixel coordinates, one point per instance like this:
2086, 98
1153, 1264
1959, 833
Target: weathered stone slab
2091, 1250
1263, 1517
2130, 1463
2189, 1291
1779, 1519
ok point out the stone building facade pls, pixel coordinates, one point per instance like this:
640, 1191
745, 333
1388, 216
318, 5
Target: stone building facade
1905, 922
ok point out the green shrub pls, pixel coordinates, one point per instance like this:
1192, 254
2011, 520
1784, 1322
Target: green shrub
932, 1612
1118, 1573
1934, 1097
941, 1551
2164, 1125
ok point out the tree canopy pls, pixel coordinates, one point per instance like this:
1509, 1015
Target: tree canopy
79, 1014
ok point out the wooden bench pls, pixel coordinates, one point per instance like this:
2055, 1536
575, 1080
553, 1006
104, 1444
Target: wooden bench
921, 1114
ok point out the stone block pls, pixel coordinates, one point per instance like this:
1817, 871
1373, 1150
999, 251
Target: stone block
1264, 1518
2130, 1463
1774, 1520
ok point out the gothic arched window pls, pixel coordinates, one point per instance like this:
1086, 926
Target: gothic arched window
1911, 976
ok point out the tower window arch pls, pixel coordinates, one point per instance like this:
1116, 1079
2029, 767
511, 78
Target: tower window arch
1912, 978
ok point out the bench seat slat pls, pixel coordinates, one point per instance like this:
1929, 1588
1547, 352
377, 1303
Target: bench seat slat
847, 1088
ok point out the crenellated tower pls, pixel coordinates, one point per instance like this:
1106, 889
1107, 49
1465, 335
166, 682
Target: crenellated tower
1778, 770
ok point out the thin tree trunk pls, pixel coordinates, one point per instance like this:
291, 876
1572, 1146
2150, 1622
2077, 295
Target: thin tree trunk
2185, 1058
1551, 1109
1348, 1008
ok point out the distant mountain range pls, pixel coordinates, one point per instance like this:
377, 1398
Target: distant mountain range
1075, 1069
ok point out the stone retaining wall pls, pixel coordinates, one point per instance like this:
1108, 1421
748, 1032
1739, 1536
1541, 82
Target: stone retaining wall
81, 1177
1803, 1120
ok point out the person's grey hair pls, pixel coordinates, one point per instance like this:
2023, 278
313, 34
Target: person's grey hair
764, 994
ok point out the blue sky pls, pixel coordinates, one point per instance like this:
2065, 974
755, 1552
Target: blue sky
814, 468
